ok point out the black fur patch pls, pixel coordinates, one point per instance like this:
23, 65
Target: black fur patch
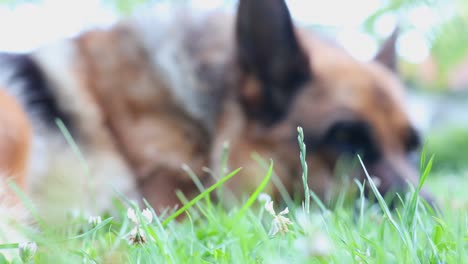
413, 140
269, 50
36, 94
348, 137
276, 101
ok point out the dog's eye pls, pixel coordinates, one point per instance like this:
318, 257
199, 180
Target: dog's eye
352, 137
413, 140
342, 136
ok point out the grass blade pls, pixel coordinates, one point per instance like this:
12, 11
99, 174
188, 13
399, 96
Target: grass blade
199, 197
257, 192
381, 201
302, 154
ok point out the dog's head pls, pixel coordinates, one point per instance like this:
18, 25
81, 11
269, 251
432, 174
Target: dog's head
292, 78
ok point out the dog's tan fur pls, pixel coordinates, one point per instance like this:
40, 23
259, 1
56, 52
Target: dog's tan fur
15, 137
144, 100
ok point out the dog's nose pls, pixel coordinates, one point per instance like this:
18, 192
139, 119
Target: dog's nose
429, 198
395, 173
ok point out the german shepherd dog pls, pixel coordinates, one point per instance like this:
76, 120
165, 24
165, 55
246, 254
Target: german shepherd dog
149, 95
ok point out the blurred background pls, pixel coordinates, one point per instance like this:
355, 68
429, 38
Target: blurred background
432, 48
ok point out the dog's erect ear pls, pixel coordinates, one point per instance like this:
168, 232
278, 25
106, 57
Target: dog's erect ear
269, 50
387, 54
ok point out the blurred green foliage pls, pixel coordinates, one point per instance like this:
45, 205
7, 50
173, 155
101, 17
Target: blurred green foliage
123, 7
448, 38
450, 146
14, 2
127, 7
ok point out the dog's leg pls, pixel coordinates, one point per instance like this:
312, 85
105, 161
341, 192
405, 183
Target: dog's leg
15, 139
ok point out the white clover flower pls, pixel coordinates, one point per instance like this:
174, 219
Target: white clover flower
132, 216
269, 208
280, 222
309, 222
94, 220
137, 235
27, 250
360, 259
264, 198
146, 213
322, 246
377, 181
74, 213
316, 245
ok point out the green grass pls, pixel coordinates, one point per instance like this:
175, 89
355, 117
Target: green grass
450, 146
359, 232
